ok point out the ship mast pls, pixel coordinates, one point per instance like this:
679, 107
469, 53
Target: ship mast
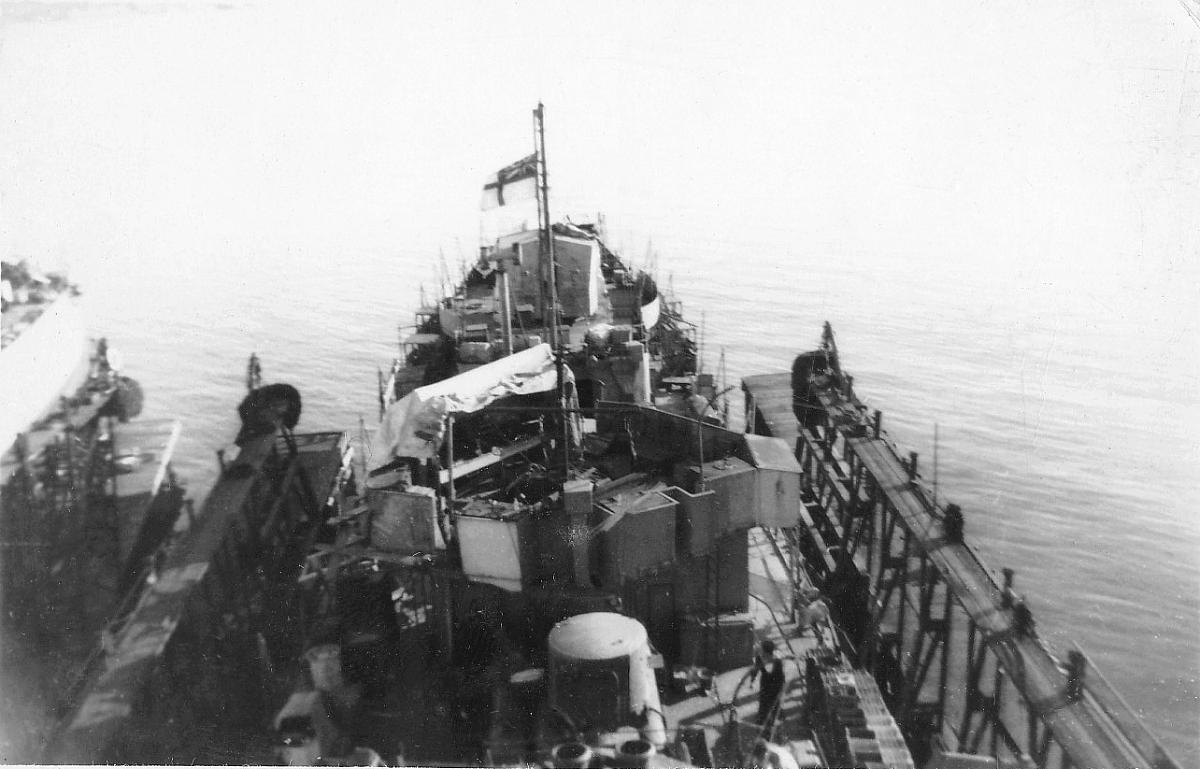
546, 253
546, 257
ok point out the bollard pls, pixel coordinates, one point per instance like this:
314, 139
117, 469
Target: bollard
1022, 619
1076, 663
635, 753
573, 755
952, 524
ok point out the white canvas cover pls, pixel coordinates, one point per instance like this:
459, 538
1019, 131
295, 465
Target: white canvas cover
651, 312
414, 426
39, 365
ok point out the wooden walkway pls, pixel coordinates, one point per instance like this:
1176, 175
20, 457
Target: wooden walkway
1098, 730
143, 451
769, 406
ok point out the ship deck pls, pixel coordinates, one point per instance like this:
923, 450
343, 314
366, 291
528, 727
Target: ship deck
104, 712
727, 714
55, 422
143, 452
100, 557
16, 317
413, 720
144, 506
769, 406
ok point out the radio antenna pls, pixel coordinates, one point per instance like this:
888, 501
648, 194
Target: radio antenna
935, 465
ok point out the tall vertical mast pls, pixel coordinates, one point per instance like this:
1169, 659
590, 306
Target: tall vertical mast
546, 252
547, 238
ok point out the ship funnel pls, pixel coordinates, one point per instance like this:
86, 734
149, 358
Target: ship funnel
573, 755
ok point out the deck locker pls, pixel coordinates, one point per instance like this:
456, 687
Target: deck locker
637, 537
403, 520
696, 523
777, 489
716, 581
733, 480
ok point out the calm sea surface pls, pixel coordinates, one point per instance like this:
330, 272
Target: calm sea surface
994, 208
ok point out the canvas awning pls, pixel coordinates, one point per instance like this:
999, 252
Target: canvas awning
651, 311
414, 426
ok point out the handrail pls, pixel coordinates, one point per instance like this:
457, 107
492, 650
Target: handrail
1119, 710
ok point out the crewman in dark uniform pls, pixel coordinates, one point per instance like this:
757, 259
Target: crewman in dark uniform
772, 680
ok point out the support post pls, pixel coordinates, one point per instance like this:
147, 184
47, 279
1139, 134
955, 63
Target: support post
1032, 723
944, 672
916, 672
380, 382
547, 229
976, 654
506, 321
997, 704
450, 469
902, 576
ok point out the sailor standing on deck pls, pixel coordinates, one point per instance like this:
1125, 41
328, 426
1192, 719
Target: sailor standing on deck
813, 612
772, 680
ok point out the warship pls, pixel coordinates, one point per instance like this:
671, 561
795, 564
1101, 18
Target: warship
87, 501
554, 551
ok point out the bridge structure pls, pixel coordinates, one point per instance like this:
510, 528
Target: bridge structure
952, 644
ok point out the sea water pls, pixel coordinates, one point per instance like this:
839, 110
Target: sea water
994, 210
